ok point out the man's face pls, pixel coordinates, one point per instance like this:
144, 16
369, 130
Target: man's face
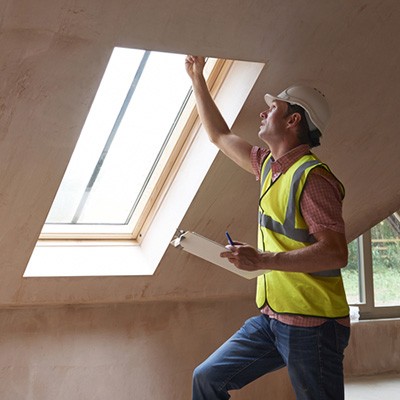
273, 120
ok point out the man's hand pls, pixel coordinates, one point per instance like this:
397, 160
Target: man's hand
328, 252
194, 66
244, 256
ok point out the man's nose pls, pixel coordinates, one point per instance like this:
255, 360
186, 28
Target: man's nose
264, 114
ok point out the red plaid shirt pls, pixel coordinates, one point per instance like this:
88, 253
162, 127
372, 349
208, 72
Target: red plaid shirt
321, 207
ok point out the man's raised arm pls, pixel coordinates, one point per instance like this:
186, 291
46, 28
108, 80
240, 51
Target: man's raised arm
218, 131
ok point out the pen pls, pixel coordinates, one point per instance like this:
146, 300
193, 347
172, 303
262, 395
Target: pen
229, 238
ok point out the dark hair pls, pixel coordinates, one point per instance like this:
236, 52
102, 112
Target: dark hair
305, 135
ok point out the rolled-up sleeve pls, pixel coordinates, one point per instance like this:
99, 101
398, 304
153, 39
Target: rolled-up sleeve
321, 202
257, 156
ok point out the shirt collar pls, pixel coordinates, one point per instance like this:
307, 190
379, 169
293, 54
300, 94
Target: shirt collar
282, 164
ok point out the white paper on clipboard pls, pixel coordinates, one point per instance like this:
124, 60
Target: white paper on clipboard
210, 251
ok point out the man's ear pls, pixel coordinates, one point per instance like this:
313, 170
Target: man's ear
293, 120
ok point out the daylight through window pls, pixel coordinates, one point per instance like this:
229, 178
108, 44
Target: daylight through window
372, 276
124, 145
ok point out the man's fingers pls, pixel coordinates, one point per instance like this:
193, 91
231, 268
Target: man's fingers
227, 254
189, 59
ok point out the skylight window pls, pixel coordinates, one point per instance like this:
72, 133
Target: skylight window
124, 146
177, 163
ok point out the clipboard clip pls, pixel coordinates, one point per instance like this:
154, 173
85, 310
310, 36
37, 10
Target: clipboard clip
178, 237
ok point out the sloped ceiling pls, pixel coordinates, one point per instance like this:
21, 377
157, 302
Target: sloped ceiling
53, 54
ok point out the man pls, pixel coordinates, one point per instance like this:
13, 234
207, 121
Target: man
304, 322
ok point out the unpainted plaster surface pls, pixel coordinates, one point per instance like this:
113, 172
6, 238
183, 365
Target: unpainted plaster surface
148, 351
54, 54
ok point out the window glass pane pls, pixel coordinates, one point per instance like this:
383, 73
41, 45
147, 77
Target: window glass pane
351, 274
138, 102
386, 261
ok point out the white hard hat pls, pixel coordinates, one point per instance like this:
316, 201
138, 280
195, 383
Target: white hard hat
311, 99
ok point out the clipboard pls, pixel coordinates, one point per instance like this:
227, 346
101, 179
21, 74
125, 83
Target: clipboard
210, 251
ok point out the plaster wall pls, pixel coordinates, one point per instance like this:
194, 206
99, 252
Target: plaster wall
146, 350
139, 351
54, 53
373, 348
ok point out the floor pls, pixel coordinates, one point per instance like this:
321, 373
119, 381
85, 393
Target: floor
379, 387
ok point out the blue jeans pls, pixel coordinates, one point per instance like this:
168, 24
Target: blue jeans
314, 357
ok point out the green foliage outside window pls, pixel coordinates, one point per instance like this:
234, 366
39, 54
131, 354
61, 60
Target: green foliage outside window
350, 274
385, 245
386, 263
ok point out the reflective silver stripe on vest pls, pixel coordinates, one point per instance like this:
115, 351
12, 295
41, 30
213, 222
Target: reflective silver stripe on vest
288, 227
291, 209
300, 235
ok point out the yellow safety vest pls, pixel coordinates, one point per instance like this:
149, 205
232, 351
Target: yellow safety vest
281, 227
